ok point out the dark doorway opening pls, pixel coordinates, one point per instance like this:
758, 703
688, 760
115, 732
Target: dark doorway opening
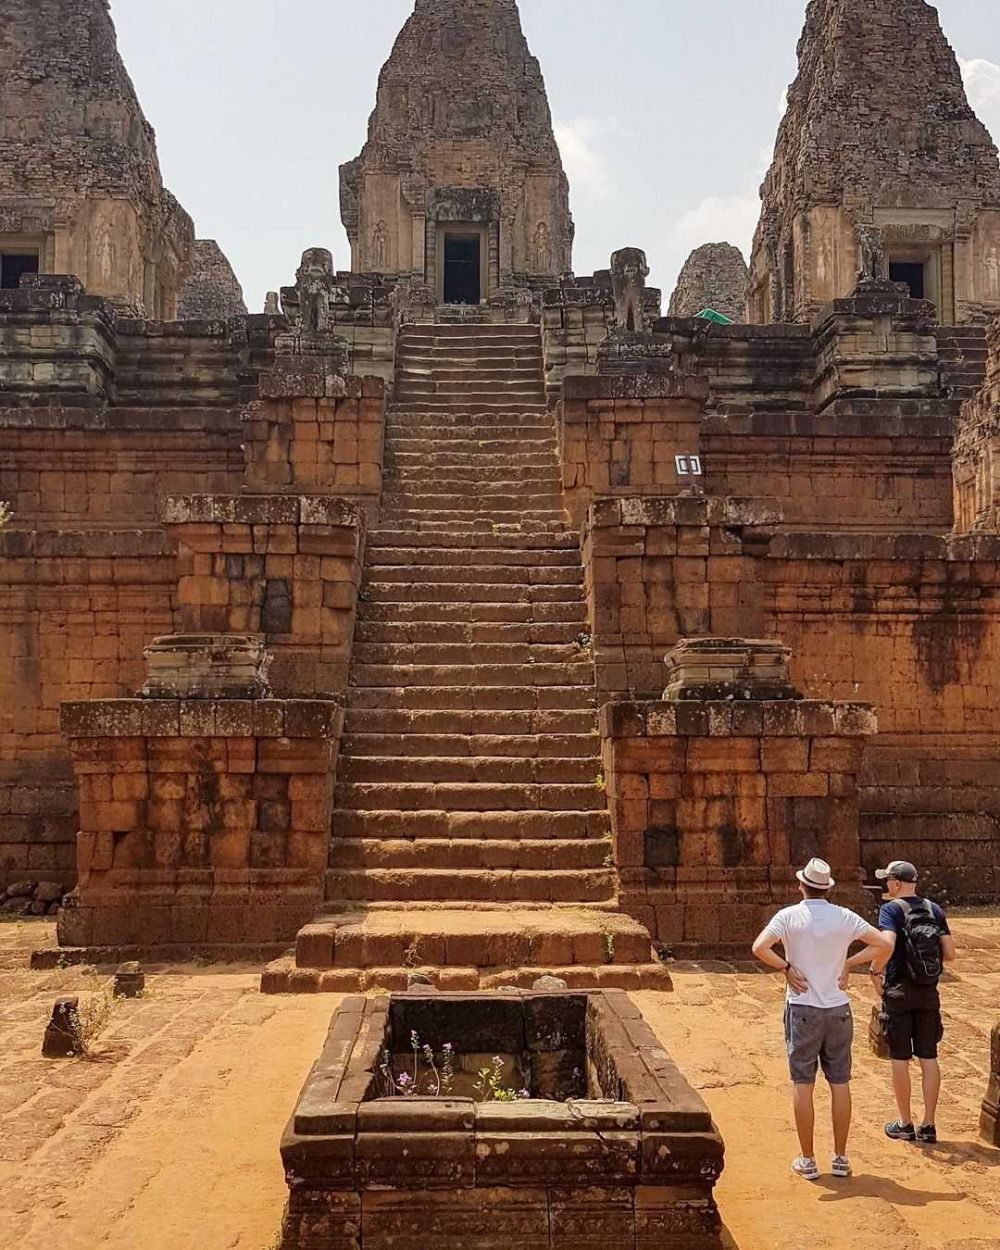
462, 269
13, 266
910, 272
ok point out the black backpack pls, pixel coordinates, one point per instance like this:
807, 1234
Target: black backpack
922, 952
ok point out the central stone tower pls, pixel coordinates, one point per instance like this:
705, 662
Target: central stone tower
460, 187
879, 136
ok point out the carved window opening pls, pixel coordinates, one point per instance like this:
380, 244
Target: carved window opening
912, 273
14, 266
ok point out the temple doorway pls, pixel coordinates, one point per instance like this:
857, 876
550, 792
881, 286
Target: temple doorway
462, 268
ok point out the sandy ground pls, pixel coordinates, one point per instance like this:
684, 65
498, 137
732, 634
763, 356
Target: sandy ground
170, 1141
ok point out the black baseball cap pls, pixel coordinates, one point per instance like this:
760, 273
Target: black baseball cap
898, 870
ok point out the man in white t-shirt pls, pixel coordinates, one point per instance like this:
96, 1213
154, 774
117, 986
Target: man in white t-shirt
819, 1028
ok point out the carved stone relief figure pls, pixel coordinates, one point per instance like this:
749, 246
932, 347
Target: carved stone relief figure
380, 247
629, 271
872, 253
543, 249
314, 282
271, 308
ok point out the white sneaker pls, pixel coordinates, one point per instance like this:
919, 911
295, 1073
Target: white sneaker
806, 1168
842, 1166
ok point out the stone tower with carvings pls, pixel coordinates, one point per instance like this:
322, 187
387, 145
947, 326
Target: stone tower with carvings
460, 186
878, 131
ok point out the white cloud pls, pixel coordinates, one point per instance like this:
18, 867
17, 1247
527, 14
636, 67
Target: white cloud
582, 142
982, 82
720, 219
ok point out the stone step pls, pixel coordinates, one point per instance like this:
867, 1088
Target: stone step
420, 525
436, 654
475, 459
381, 571
464, 611
464, 429
448, 493
545, 725
484, 633
471, 885
282, 976
547, 855
506, 557
474, 698
461, 407
510, 476
493, 747
474, 937
504, 826
448, 443
511, 540
466, 592
412, 386
470, 770
435, 371
442, 344
457, 796
578, 673
445, 509
430, 329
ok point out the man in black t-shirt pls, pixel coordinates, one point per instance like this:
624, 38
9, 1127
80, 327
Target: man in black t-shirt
907, 982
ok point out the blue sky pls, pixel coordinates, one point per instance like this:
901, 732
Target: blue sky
666, 112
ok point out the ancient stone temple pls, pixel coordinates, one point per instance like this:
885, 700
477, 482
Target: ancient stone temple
211, 289
460, 187
714, 276
878, 132
80, 186
376, 634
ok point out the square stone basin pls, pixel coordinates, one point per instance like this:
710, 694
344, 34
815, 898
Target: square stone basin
613, 1150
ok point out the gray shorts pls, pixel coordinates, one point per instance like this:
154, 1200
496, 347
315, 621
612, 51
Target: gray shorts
819, 1035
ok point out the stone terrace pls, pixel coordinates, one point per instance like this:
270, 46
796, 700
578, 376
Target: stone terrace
103, 1153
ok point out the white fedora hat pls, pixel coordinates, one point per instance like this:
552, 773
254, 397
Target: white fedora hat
816, 875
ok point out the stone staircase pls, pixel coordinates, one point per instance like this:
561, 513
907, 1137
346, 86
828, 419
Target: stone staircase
962, 354
471, 836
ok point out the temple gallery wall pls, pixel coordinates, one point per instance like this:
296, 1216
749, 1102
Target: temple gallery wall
462, 613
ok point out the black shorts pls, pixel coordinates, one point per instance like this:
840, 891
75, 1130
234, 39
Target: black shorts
913, 1023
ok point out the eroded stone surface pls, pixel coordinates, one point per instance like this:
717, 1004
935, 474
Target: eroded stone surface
461, 136
714, 276
878, 131
211, 290
79, 174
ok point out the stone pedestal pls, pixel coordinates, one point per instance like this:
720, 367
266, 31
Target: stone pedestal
989, 1123
204, 824
715, 802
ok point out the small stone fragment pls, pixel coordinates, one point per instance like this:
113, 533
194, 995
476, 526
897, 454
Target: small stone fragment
551, 984
21, 889
59, 1041
420, 979
130, 981
49, 892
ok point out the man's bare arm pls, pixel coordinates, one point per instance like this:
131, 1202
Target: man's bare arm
764, 950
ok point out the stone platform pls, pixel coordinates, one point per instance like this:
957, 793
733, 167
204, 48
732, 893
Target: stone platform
467, 948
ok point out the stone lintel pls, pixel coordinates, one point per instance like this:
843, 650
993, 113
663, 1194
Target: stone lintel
684, 510
327, 510
193, 718
696, 718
